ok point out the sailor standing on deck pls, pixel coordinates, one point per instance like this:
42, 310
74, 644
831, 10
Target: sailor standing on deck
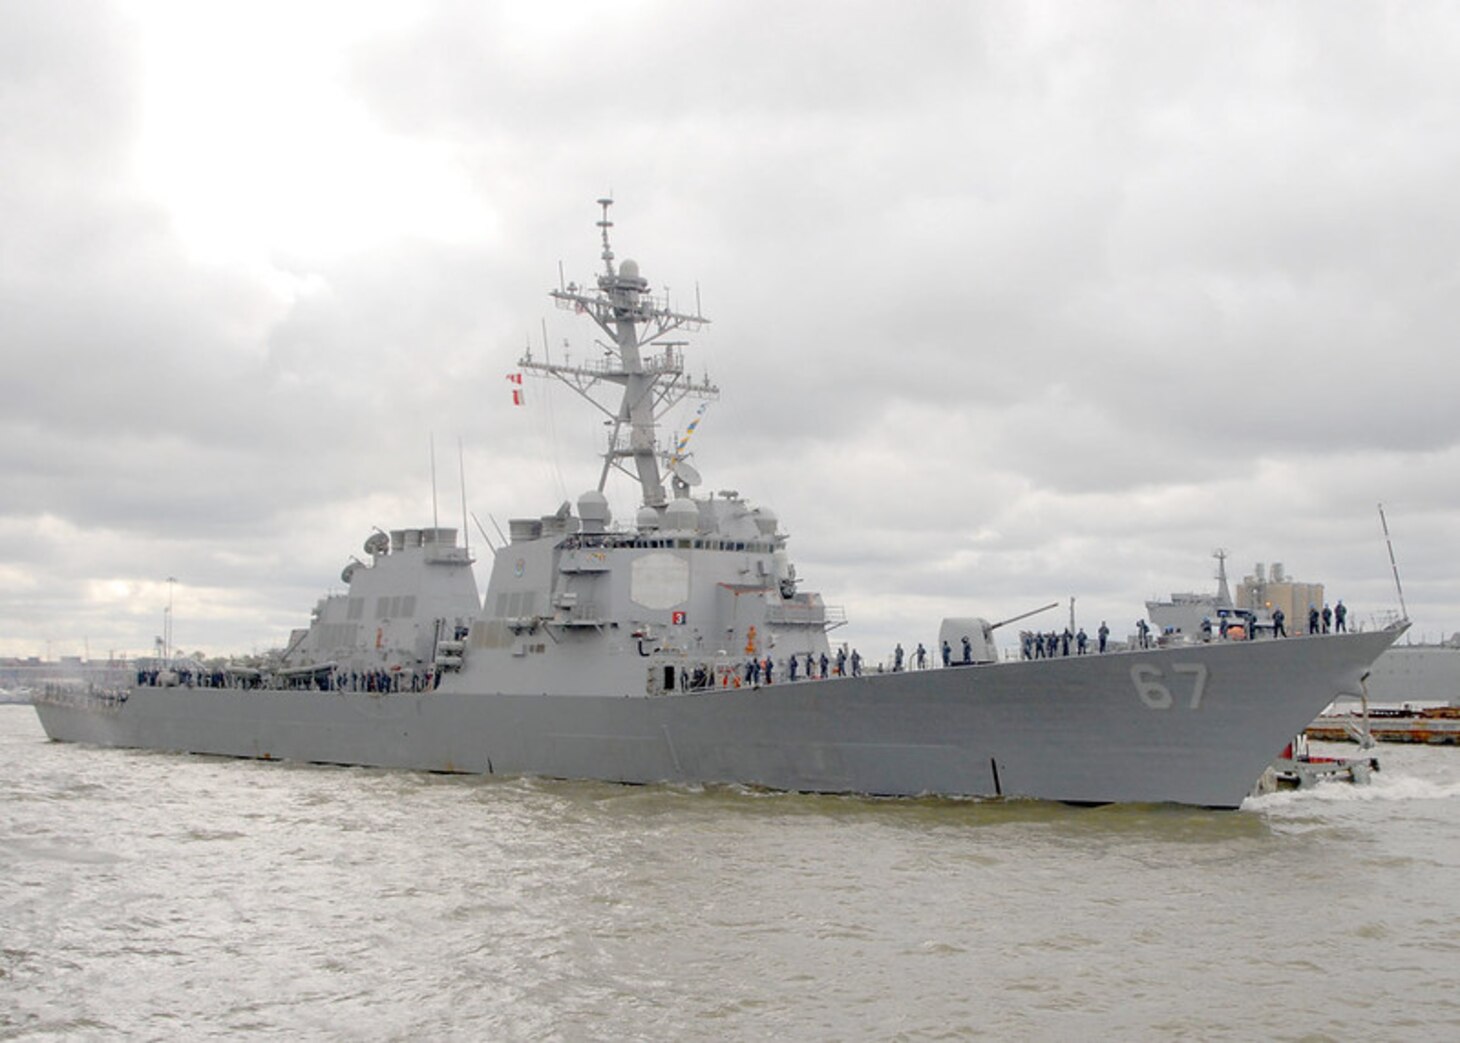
1277, 623
1103, 633
1327, 618
897, 658
1340, 617
922, 656
947, 653
1312, 619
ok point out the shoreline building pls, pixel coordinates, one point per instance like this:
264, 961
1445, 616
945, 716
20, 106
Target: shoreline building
1266, 590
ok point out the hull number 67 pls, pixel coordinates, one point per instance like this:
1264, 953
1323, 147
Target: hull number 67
1189, 680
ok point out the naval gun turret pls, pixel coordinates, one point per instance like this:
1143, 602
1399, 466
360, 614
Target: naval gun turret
970, 639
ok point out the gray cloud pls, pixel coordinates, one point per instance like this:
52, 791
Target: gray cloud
1010, 304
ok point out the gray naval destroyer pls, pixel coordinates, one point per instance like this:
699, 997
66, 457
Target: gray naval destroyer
622, 652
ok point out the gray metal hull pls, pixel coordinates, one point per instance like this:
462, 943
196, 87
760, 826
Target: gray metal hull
1191, 724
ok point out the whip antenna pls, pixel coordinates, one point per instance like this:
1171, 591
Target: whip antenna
435, 522
1404, 612
461, 463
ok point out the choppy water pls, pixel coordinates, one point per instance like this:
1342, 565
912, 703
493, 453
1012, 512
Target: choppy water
156, 896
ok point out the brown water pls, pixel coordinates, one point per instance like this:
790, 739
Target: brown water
160, 896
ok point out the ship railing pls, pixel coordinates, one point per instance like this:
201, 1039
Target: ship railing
828, 617
192, 677
667, 360
674, 672
576, 613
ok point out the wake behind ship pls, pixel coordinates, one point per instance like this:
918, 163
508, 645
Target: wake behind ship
681, 647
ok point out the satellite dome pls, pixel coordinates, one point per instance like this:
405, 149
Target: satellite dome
647, 519
629, 277
682, 515
765, 521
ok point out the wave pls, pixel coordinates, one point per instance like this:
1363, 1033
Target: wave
1383, 787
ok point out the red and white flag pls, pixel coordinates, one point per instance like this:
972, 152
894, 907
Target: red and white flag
517, 396
515, 378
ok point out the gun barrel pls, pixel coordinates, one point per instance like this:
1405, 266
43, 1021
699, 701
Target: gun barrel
1024, 615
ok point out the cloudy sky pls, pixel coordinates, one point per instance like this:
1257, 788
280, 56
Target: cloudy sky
1011, 303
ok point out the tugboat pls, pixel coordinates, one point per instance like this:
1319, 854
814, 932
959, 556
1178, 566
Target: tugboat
683, 647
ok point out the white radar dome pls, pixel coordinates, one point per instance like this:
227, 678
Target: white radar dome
682, 515
647, 519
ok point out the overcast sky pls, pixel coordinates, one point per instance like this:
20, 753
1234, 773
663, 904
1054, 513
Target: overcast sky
1011, 303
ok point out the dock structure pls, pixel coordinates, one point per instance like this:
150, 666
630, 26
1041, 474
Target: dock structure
1439, 726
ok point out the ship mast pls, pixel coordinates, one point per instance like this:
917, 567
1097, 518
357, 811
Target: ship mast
649, 369
1224, 594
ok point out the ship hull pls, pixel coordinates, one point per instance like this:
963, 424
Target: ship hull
1191, 725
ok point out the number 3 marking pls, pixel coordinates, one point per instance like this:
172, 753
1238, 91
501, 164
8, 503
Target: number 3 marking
1155, 694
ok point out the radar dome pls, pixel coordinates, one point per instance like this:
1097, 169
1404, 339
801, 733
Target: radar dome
647, 519
682, 515
629, 269
765, 521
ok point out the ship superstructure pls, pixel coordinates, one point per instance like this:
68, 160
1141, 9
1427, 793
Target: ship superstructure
404, 614
697, 586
